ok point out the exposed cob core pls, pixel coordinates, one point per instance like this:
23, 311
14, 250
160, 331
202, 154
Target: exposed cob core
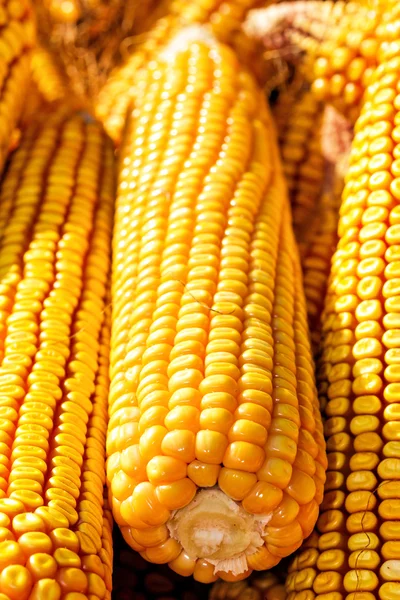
212, 376
214, 527
56, 203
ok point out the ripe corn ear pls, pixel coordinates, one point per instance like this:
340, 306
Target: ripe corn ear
56, 203
354, 552
16, 40
212, 398
302, 158
317, 245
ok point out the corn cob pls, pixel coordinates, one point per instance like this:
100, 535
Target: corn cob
212, 400
317, 245
338, 38
318, 237
303, 162
354, 552
223, 19
16, 40
268, 586
55, 234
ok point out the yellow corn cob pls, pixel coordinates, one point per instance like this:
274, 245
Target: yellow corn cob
16, 40
317, 237
317, 245
55, 230
267, 586
339, 39
303, 162
355, 553
224, 20
213, 411
314, 141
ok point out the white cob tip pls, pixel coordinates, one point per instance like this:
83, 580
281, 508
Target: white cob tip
215, 527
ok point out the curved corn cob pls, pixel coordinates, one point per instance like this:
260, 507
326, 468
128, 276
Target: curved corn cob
355, 553
16, 40
55, 230
223, 19
212, 400
267, 586
315, 141
318, 237
339, 40
317, 245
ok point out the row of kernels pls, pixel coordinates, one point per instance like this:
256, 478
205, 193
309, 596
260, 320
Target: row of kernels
309, 408
174, 488
112, 104
233, 284
331, 524
27, 289
58, 330
387, 490
149, 262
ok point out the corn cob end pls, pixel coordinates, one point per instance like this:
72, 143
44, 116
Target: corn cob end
216, 528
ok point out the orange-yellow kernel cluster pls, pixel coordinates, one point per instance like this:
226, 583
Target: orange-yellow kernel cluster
16, 40
212, 376
317, 245
303, 162
56, 205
